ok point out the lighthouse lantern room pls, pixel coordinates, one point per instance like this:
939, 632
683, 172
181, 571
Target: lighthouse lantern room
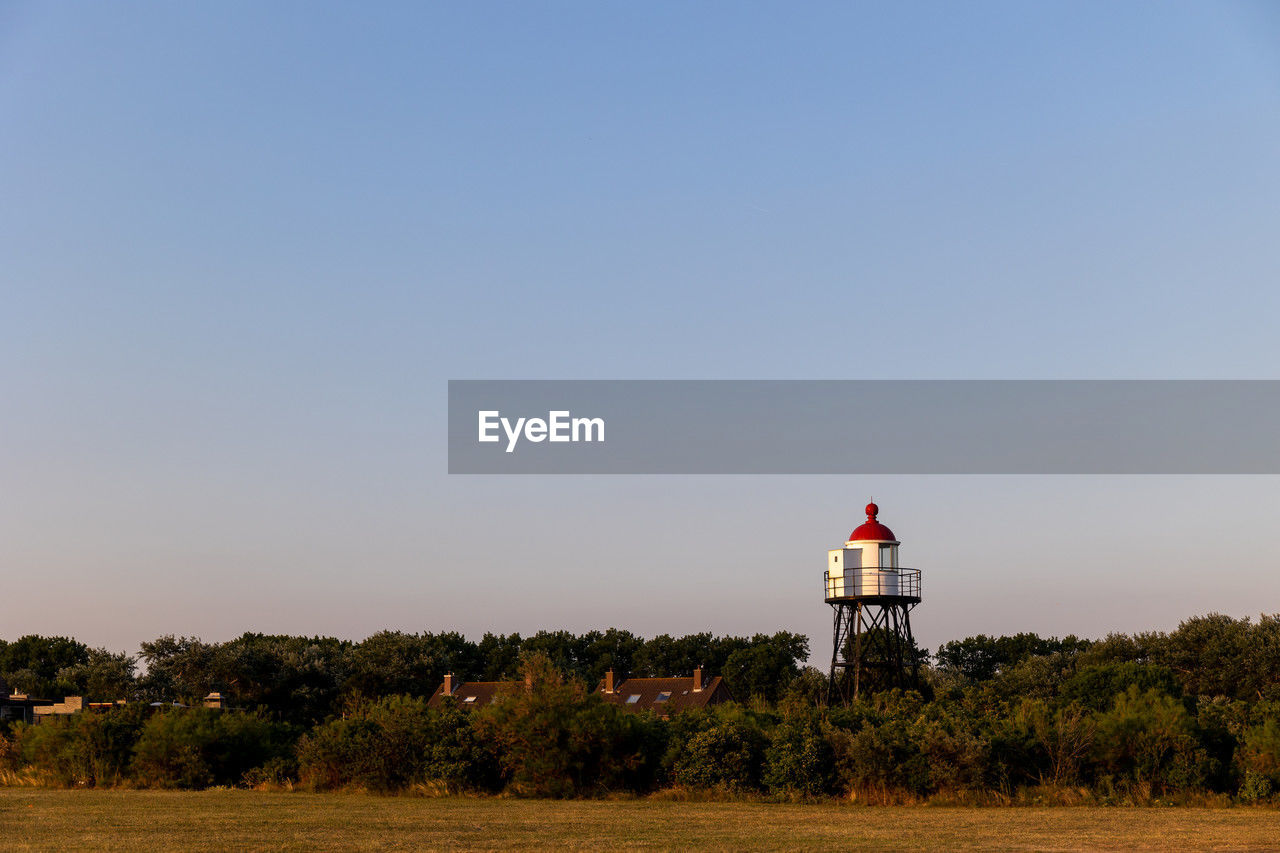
871, 597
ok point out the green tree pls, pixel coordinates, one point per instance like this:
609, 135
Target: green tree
32, 664
766, 666
104, 677
1037, 676
499, 656
177, 669
613, 649
1213, 656
980, 658
1096, 687
393, 662
297, 679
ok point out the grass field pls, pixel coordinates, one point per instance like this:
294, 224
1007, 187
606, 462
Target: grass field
36, 819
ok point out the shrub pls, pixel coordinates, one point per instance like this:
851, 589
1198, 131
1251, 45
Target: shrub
394, 743
82, 749
1149, 738
800, 758
199, 747
1256, 788
339, 753
883, 753
1063, 738
277, 772
10, 755
728, 755
1258, 756
883, 757
956, 756
458, 759
381, 746
557, 740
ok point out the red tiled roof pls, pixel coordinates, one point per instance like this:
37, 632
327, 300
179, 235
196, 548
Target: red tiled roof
663, 696
647, 694
474, 693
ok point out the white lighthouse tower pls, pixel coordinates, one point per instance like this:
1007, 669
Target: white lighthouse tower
871, 596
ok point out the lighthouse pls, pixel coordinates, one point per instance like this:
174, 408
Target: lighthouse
871, 598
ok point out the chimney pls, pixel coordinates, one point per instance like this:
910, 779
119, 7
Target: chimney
697, 680
608, 682
448, 684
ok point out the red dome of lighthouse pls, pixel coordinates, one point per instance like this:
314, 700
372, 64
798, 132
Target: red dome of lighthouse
871, 529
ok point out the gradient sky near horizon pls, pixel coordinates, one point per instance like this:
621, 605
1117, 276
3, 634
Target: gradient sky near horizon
243, 246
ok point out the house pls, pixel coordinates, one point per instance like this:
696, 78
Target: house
665, 696
18, 706
471, 694
68, 705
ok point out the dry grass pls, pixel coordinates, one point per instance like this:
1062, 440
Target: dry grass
35, 819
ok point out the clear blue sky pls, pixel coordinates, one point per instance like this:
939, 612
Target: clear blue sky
243, 247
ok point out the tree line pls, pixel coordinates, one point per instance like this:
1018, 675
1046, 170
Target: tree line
1129, 718
303, 679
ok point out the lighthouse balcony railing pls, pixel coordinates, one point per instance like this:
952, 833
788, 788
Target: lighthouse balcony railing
872, 582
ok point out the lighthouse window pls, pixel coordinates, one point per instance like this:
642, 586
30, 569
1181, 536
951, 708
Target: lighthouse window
886, 556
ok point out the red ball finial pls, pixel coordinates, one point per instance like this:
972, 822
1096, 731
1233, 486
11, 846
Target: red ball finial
872, 512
